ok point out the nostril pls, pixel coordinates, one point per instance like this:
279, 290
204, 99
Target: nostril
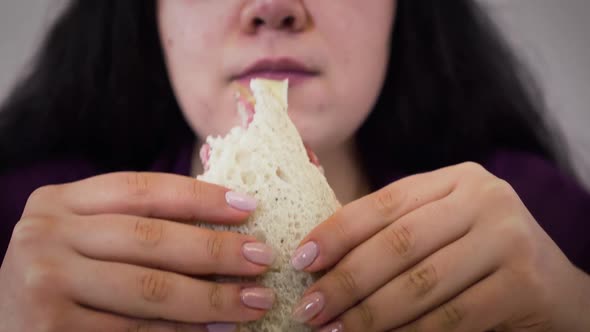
288, 21
258, 22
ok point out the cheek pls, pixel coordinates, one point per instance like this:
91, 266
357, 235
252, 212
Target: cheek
192, 24
359, 49
193, 53
190, 41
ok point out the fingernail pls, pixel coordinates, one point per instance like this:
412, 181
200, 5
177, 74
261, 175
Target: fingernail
336, 327
305, 255
240, 201
258, 298
308, 307
221, 327
258, 253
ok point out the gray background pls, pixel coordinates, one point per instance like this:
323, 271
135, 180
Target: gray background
552, 35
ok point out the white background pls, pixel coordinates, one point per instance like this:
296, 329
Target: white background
552, 35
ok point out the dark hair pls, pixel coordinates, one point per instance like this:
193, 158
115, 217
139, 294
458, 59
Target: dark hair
99, 90
455, 92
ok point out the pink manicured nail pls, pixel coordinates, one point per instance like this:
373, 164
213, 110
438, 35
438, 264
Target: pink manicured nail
240, 201
335, 327
221, 327
305, 255
308, 307
258, 253
258, 298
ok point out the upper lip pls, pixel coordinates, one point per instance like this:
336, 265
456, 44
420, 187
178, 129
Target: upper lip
276, 65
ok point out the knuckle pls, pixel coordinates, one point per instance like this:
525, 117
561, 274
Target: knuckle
346, 282
135, 327
536, 283
178, 327
138, 326
29, 232
342, 232
450, 317
197, 192
154, 286
152, 326
366, 315
138, 183
42, 276
148, 232
518, 234
215, 298
538, 289
498, 190
413, 327
388, 200
423, 279
516, 238
399, 240
42, 193
215, 244
473, 168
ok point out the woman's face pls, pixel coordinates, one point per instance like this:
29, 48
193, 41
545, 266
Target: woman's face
334, 53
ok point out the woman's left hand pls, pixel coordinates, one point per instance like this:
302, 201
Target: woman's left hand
450, 250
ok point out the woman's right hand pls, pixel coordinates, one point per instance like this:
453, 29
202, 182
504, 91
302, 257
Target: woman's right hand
110, 253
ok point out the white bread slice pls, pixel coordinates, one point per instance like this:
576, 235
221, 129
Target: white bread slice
269, 161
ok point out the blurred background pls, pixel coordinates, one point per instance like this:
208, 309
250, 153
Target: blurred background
552, 36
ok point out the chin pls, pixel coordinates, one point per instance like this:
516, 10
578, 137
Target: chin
320, 140
320, 133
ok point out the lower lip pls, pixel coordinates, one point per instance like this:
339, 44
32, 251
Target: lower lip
295, 78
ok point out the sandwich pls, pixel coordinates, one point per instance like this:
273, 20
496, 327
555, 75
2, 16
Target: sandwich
266, 158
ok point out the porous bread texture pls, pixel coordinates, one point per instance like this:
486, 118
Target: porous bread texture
269, 162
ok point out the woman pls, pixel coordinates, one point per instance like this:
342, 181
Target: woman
384, 91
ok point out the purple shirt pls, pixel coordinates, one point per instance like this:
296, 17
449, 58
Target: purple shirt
558, 203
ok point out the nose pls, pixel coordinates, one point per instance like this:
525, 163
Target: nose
285, 15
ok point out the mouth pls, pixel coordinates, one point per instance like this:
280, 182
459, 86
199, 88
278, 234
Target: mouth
277, 69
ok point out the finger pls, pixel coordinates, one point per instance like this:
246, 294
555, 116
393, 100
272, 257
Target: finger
483, 307
84, 319
153, 294
157, 195
400, 245
340, 233
167, 245
434, 281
